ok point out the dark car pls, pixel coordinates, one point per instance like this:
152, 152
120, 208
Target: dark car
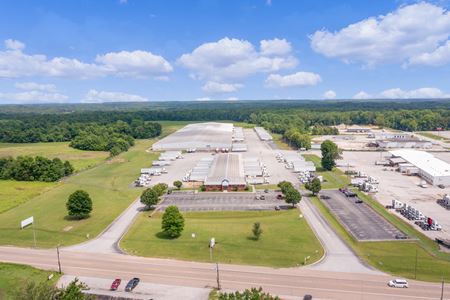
115, 284
132, 284
262, 197
277, 207
279, 196
266, 191
358, 201
307, 297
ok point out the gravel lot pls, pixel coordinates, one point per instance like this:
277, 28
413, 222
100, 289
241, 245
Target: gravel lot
394, 185
359, 218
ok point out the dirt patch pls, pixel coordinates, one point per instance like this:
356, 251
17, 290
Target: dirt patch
67, 228
116, 161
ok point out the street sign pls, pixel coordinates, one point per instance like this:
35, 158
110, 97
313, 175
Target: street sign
26, 222
212, 242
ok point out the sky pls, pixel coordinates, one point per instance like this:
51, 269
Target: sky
163, 50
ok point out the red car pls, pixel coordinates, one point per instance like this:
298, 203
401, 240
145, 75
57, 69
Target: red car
115, 284
279, 196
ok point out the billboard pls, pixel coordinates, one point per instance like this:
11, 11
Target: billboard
26, 222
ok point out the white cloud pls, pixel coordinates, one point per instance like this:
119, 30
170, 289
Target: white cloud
296, 79
29, 86
136, 63
438, 57
33, 97
232, 98
94, 96
329, 94
15, 63
362, 95
203, 99
421, 93
217, 87
275, 47
399, 36
233, 59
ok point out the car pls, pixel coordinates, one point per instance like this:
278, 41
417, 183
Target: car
257, 197
400, 237
277, 207
279, 196
441, 186
358, 201
132, 284
115, 284
266, 191
307, 297
398, 283
262, 197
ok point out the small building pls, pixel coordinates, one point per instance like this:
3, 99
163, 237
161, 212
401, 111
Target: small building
357, 129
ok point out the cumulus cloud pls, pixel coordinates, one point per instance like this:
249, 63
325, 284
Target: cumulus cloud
217, 87
29, 86
296, 79
329, 94
33, 97
362, 95
15, 63
232, 98
440, 56
421, 93
94, 96
203, 99
397, 37
229, 60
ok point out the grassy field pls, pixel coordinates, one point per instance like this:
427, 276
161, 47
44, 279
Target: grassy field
398, 257
14, 193
80, 159
332, 179
232, 231
14, 276
278, 140
433, 136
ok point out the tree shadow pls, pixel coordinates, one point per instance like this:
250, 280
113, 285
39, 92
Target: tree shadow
76, 218
252, 238
163, 236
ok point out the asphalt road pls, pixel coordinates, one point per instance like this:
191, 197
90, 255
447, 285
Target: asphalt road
284, 282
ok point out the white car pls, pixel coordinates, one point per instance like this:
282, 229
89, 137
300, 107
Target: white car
398, 283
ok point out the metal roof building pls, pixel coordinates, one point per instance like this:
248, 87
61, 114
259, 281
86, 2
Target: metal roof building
263, 134
226, 170
431, 169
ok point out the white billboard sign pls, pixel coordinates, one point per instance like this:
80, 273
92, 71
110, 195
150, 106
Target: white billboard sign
26, 222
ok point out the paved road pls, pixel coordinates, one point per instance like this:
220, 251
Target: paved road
285, 282
107, 241
338, 256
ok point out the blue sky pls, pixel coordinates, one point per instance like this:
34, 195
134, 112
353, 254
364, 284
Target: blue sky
136, 50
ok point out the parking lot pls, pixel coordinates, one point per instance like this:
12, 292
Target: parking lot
222, 201
404, 188
359, 218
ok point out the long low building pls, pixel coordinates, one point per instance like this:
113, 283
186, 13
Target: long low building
226, 173
263, 134
430, 168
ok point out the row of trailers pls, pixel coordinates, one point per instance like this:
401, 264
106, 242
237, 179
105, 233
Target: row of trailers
296, 163
158, 167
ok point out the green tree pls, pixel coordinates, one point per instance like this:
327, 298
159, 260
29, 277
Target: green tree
257, 230
330, 153
177, 184
292, 196
284, 186
150, 197
172, 222
314, 186
79, 204
160, 188
74, 291
252, 294
46, 291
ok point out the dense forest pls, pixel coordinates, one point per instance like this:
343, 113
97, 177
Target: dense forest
27, 168
113, 126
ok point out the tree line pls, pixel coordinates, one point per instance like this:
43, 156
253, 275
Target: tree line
28, 168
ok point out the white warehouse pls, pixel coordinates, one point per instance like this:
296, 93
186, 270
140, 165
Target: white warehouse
430, 168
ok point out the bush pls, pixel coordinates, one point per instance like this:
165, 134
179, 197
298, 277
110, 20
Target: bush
79, 205
177, 184
172, 222
256, 230
252, 294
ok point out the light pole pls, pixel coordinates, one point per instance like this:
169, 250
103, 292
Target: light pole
59, 260
442, 289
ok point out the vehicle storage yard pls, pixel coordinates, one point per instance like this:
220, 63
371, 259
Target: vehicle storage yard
394, 185
359, 218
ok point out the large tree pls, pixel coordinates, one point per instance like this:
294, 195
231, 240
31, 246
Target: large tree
314, 186
292, 196
150, 197
330, 152
172, 222
160, 188
177, 184
79, 204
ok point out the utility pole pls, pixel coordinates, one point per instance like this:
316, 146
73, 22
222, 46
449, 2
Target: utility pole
34, 236
59, 260
415, 267
218, 278
442, 289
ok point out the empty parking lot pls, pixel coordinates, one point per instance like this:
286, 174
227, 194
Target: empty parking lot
359, 218
221, 201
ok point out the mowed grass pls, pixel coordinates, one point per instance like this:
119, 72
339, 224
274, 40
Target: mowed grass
80, 159
332, 179
14, 277
109, 185
433, 135
278, 140
14, 193
396, 257
285, 242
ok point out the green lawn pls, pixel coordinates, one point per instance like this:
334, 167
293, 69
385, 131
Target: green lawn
285, 241
109, 187
397, 257
278, 140
433, 135
80, 159
14, 276
14, 193
332, 179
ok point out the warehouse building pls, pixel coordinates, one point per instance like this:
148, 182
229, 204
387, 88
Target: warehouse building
429, 168
409, 143
200, 136
263, 134
226, 173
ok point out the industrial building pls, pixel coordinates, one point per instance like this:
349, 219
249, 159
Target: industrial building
200, 136
238, 134
424, 164
409, 143
357, 129
263, 134
226, 173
